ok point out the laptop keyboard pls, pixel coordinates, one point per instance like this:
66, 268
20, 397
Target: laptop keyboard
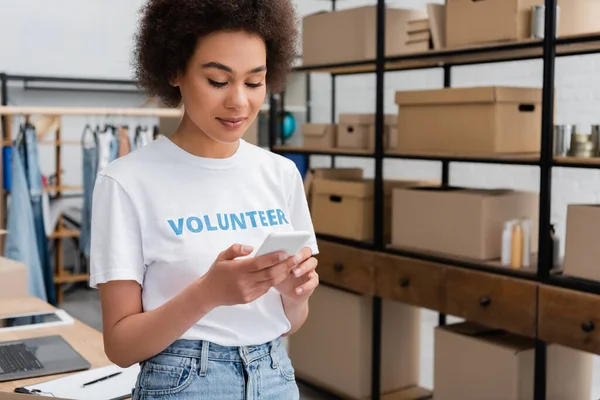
17, 358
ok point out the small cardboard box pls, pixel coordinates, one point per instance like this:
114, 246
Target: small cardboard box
319, 136
350, 34
476, 120
329, 173
473, 362
345, 208
581, 242
357, 131
459, 221
13, 279
251, 134
333, 347
472, 22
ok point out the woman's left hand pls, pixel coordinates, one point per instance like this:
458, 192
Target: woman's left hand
303, 278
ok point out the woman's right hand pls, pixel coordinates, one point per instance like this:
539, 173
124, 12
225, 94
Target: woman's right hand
231, 281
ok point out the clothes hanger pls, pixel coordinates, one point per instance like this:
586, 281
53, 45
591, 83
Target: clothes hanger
86, 142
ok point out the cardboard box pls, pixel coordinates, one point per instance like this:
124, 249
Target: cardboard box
251, 134
319, 136
345, 208
13, 279
472, 22
581, 244
476, 120
350, 34
357, 131
329, 173
473, 362
459, 221
333, 347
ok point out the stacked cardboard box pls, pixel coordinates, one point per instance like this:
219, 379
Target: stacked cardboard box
474, 362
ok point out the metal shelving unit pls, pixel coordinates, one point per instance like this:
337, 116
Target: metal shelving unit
548, 50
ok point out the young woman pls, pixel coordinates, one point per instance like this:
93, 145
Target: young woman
175, 223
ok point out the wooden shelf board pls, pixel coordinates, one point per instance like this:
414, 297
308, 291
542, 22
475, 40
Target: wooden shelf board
62, 188
491, 265
71, 278
577, 160
63, 111
64, 233
472, 54
516, 157
316, 151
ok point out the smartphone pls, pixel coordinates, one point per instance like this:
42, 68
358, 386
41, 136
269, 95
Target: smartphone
290, 242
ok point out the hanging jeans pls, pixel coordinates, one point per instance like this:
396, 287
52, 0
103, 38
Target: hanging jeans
34, 178
90, 168
21, 243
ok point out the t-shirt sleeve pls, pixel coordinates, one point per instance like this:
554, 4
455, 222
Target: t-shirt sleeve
116, 241
299, 211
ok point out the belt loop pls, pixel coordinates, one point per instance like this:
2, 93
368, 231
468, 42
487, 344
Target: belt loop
274, 358
204, 358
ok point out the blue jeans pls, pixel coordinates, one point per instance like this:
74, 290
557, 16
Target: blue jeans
34, 178
21, 244
90, 168
190, 370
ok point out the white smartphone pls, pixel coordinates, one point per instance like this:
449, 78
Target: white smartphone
290, 242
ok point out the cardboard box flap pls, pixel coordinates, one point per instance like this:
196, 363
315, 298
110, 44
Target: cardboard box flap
469, 95
492, 336
367, 119
479, 192
315, 130
344, 188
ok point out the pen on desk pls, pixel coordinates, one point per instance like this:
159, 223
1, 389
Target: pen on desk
102, 379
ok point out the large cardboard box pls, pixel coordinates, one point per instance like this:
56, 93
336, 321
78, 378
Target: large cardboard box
581, 242
470, 120
319, 136
333, 347
459, 221
13, 279
345, 208
473, 22
357, 131
473, 362
350, 34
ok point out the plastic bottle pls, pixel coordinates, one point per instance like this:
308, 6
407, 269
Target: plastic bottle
516, 254
526, 227
506, 242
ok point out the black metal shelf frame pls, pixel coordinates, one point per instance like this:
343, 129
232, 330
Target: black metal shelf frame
545, 162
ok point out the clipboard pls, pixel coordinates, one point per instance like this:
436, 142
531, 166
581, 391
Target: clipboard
72, 387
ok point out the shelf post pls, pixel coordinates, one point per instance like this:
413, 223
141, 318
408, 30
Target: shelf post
333, 105
272, 121
545, 258
378, 195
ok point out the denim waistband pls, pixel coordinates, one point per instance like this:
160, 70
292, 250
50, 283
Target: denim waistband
207, 350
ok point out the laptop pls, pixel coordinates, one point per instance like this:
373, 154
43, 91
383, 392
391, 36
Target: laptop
36, 357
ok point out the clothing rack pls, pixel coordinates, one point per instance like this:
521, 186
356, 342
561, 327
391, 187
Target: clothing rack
61, 276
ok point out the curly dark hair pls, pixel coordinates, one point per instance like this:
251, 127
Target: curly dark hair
169, 31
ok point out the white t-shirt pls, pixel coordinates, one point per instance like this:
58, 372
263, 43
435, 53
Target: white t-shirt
161, 216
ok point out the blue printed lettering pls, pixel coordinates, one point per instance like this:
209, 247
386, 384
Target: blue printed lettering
281, 217
190, 224
209, 227
252, 214
227, 221
271, 215
235, 221
263, 219
223, 225
178, 229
